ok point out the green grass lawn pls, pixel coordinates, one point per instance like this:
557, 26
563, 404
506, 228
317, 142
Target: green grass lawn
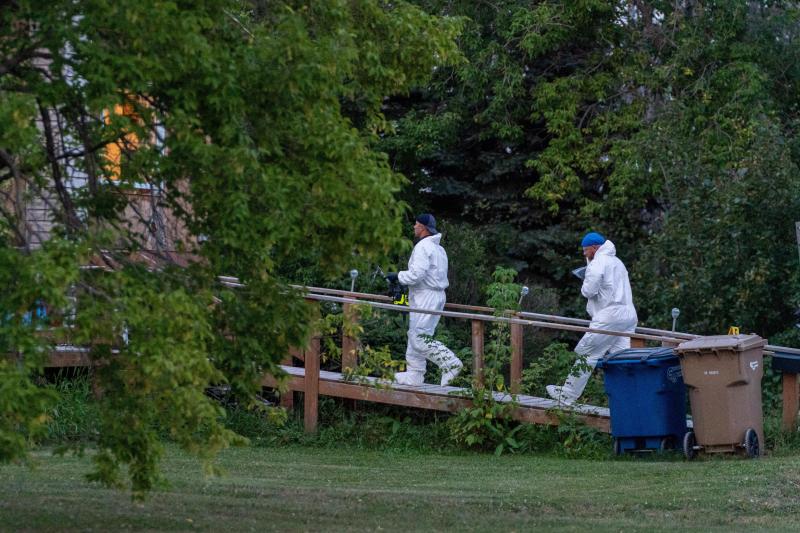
302, 488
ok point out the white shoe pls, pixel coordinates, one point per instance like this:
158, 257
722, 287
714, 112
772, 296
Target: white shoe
560, 395
413, 378
450, 375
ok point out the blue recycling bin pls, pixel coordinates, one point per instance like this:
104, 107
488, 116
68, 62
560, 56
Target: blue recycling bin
786, 362
646, 397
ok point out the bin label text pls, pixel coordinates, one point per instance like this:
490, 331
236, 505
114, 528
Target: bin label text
674, 374
711, 372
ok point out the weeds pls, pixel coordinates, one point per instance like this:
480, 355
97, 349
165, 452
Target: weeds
487, 424
73, 421
553, 366
373, 427
74, 417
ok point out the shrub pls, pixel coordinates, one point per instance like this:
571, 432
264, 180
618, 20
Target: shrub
487, 423
553, 366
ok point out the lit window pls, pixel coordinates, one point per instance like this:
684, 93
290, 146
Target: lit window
127, 143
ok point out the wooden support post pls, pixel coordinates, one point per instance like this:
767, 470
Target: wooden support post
97, 389
349, 343
287, 397
516, 357
311, 391
791, 401
637, 343
477, 351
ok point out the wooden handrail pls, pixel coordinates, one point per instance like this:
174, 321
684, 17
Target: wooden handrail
491, 310
487, 318
660, 335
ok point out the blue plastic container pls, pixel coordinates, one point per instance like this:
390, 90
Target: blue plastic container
647, 399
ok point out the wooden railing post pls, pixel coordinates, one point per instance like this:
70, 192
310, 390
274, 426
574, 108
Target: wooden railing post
97, 388
287, 397
311, 395
791, 401
477, 350
349, 343
516, 357
637, 342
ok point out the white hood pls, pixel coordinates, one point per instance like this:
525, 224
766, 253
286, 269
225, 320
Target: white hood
606, 286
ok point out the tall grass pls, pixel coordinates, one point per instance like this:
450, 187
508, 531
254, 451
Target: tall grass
74, 420
367, 426
74, 417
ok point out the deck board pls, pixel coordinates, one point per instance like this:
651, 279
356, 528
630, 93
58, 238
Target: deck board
438, 391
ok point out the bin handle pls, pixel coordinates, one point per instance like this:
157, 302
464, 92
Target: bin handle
644, 359
609, 357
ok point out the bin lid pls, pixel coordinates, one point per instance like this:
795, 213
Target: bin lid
635, 355
786, 362
722, 342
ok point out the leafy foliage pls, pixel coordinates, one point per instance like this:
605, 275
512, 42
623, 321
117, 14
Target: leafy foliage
44, 277
670, 127
244, 134
251, 147
487, 423
553, 365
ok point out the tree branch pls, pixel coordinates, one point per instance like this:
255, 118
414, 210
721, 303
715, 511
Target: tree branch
15, 224
86, 152
9, 162
71, 217
11, 63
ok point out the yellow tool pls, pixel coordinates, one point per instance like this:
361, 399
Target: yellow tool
733, 330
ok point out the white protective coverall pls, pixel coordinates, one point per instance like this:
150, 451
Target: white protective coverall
426, 279
610, 305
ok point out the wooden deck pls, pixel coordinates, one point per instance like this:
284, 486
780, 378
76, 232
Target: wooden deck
67, 355
529, 409
312, 381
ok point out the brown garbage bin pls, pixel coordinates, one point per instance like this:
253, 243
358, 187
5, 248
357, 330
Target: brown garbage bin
723, 375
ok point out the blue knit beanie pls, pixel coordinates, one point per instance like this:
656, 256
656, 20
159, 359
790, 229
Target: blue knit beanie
592, 238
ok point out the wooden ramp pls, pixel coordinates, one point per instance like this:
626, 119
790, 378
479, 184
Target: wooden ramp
313, 381
529, 409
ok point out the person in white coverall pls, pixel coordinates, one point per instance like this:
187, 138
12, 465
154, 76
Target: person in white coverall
426, 279
610, 305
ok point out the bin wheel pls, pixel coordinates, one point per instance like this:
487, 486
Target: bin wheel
751, 446
617, 447
667, 443
689, 442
